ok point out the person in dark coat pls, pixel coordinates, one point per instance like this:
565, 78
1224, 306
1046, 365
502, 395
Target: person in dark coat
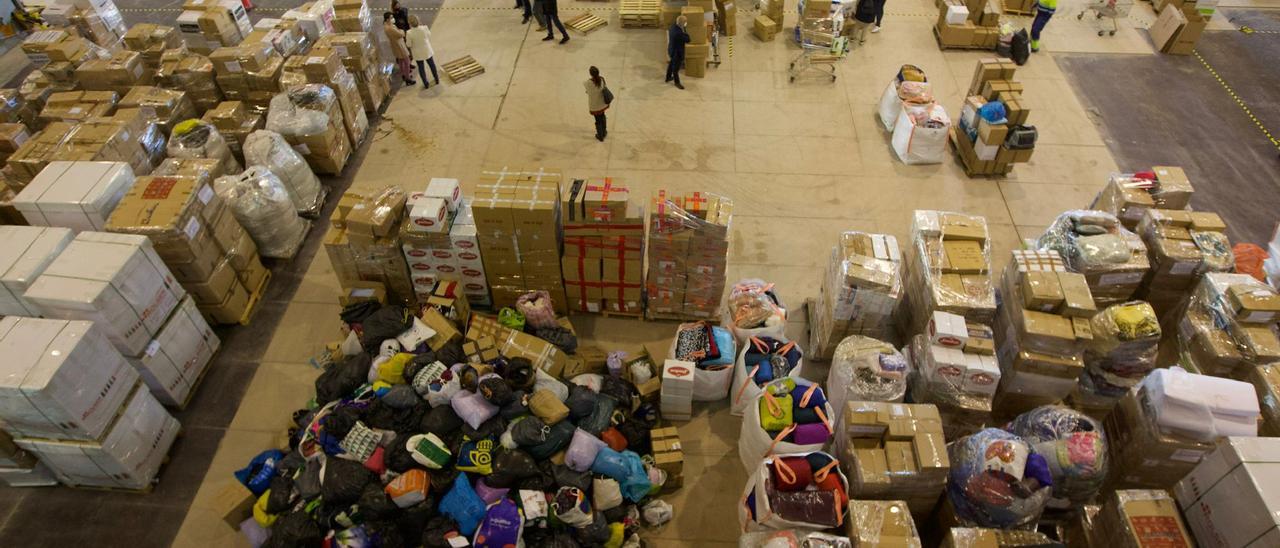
401, 15
677, 37
864, 14
552, 14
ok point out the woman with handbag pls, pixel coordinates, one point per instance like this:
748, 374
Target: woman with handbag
598, 100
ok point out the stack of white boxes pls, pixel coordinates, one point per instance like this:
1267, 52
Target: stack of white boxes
25, 251
677, 390
970, 372
1232, 498
440, 241
76, 195
466, 250
68, 397
118, 281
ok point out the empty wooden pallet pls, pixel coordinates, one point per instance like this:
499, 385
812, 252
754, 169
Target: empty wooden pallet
586, 23
639, 13
462, 69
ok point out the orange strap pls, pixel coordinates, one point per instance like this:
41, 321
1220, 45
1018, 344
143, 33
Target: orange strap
784, 433
784, 471
804, 400
750, 378
823, 415
820, 474
759, 344
775, 408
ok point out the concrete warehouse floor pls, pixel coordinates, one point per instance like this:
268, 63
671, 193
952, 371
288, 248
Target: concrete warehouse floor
803, 161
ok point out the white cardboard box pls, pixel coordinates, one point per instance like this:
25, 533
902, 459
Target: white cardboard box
59, 379
982, 374
1229, 453
128, 456
25, 251
77, 195
114, 279
429, 215
175, 359
1241, 510
465, 217
36, 476
448, 190
947, 329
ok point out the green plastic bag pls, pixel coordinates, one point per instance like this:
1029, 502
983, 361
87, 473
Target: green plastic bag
511, 318
776, 415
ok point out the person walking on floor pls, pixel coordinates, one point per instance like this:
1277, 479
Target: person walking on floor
401, 15
539, 15
879, 15
552, 14
598, 99
864, 14
419, 38
398, 48
677, 37
1044, 11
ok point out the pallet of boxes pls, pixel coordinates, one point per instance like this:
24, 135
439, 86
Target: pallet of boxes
438, 239
1226, 327
322, 140
324, 66
968, 24
517, 217
356, 49
688, 251
151, 41
235, 120
1182, 246
285, 35
698, 49
860, 293
99, 21
893, 451
364, 246
248, 72
206, 25
1178, 27
192, 73
993, 134
1229, 498
603, 260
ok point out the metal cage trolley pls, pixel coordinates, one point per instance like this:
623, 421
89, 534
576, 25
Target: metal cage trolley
1115, 10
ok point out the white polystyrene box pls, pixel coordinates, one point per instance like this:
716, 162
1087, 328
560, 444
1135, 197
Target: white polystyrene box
1202, 407
77, 195
114, 279
173, 362
449, 190
59, 379
25, 252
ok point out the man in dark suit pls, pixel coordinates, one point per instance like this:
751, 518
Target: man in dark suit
677, 37
552, 13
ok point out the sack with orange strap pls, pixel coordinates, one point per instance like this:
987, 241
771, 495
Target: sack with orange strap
762, 359
789, 415
753, 309
794, 490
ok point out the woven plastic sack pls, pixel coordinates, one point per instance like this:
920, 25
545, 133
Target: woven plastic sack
262, 205
269, 149
755, 509
921, 139
537, 309
754, 443
745, 390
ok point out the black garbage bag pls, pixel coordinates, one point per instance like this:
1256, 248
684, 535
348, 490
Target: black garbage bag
295, 529
495, 391
600, 418
416, 364
374, 502
568, 477
308, 482
557, 439
442, 480
358, 312
412, 520
558, 336
292, 462
379, 415
517, 407
595, 534
451, 353
618, 513
401, 396
385, 323
619, 389
511, 466
340, 422
529, 430
409, 421
581, 402
1020, 47
384, 533
519, 373
340, 379
637, 434
491, 428
343, 481
438, 532
547, 538
441, 421
281, 495
542, 481
396, 456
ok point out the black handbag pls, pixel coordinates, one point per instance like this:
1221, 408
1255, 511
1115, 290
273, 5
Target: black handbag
608, 96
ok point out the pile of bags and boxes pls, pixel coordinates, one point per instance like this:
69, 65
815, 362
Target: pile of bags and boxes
971, 24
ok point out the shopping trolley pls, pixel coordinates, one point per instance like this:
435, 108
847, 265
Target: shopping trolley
820, 48
1115, 10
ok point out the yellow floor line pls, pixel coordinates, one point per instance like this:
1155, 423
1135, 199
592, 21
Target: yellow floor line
1238, 100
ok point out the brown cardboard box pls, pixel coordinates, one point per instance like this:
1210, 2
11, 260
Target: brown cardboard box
512, 343
1135, 518
445, 330
1254, 304
355, 292
697, 28
1206, 221
1141, 455
964, 257
232, 308
880, 523
1077, 301
956, 35
992, 134
1042, 292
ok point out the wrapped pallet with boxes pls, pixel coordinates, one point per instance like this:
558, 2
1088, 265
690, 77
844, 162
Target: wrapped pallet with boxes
1129, 195
688, 253
968, 24
860, 293
78, 106
959, 377
248, 72
151, 41
12, 135
881, 523
517, 216
15, 109
948, 268
352, 16
1226, 327
193, 74
163, 107
1134, 518
313, 18
97, 20
25, 251
603, 247
324, 66
36, 153
1229, 499
1266, 383
285, 37
19, 468
893, 451
360, 56
1113, 260
76, 195
426, 234
1120, 355
58, 54
988, 145
310, 118
1181, 246
235, 121
209, 24
364, 245
119, 72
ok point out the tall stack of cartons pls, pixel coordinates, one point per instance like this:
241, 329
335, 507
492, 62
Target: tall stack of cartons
58, 53
428, 247
324, 66
698, 48
69, 398
465, 242
97, 20
192, 73
1230, 497
351, 16
31, 157
209, 24
285, 37
314, 19
120, 283
198, 238
326, 148
76, 195
163, 107
955, 371
992, 147
78, 106
364, 243
1226, 327
1182, 246
25, 251
688, 251
1129, 195
894, 451
151, 41
860, 292
517, 215
727, 17
248, 72
948, 268
603, 247
235, 121
360, 57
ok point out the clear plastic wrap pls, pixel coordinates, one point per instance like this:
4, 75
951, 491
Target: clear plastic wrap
1127, 196
818, 501
192, 73
263, 207
866, 369
688, 249
963, 412
860, 293
1094, 243
792, 538
1132, 515
302, 111
1073, 445
753, 309
997, 481
893, 451
882, 523
1266, 382
199, 139
14, 109
1126, 338
1211, 335
271, 150
949, 268
164, 107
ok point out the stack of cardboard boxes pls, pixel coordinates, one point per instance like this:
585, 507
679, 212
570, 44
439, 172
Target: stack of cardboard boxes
207, 25
191, 73
894, 451
517, 215
19, 468
76, 195
881, 523
956, 370
465, 242
313, 18
676, 392
1181, 246
688, 251
668, 456
1041, 331
15, 109
727, 17
860, 292
25, 251
70, 399
969, 24
1128, 196
97, 20
360, 57
948, 268
351, 16
986, 147
1230, 497
1134, 518
12, 135
698, 49
325, 150
1178, 28
234, 121
248, 72
603, 260
78, 106
1226, 328
198, 238
765, 28
324, 66
163, 107
426, 236
1142, 454
364, 244
511, 344
286, 37
151, 41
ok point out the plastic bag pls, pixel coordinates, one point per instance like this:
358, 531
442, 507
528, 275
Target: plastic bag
1073, 445
537, 309
472, 408
302, 111
759, 508
340, 379
582, 450
921, 139
606, 494
754, 310
755, 443
270, 150
463, 505
502, 526
262, 205
866, 369
996, 481
199, 139
343, 481
767, 350
257, 475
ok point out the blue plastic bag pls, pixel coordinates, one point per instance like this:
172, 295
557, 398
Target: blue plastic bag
625, 467
257, 475
463, 505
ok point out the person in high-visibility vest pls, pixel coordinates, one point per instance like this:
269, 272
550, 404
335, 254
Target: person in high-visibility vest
1044, 11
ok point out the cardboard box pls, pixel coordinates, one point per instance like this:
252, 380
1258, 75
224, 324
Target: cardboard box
25, 252
1254, 303
177, 357
956, 35
881, 523
1138, 518
77, 195
233, 307
510, 343
1042, 292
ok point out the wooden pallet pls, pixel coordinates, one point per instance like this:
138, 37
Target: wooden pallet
1011, 11
586, 23
255, 297
660, 317
462, 69
639, 13
154, 479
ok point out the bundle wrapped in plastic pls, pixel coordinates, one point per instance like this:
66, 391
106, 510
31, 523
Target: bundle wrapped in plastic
1128, 195
262, 205
920, 134
882, 523
1126, 338
948, 269
199, 139
963, 412
788, 490
1072, 444
1218, 333
302, 111
753, 309
269, 149
997, 481
688, 243
1094, 243
860, 293
866, 369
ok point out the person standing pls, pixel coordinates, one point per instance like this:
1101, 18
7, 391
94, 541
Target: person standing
864, 14
552, 13
677, 38
597, 101
879, 15
419, 38
398, 48
1044, 11
401, 15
